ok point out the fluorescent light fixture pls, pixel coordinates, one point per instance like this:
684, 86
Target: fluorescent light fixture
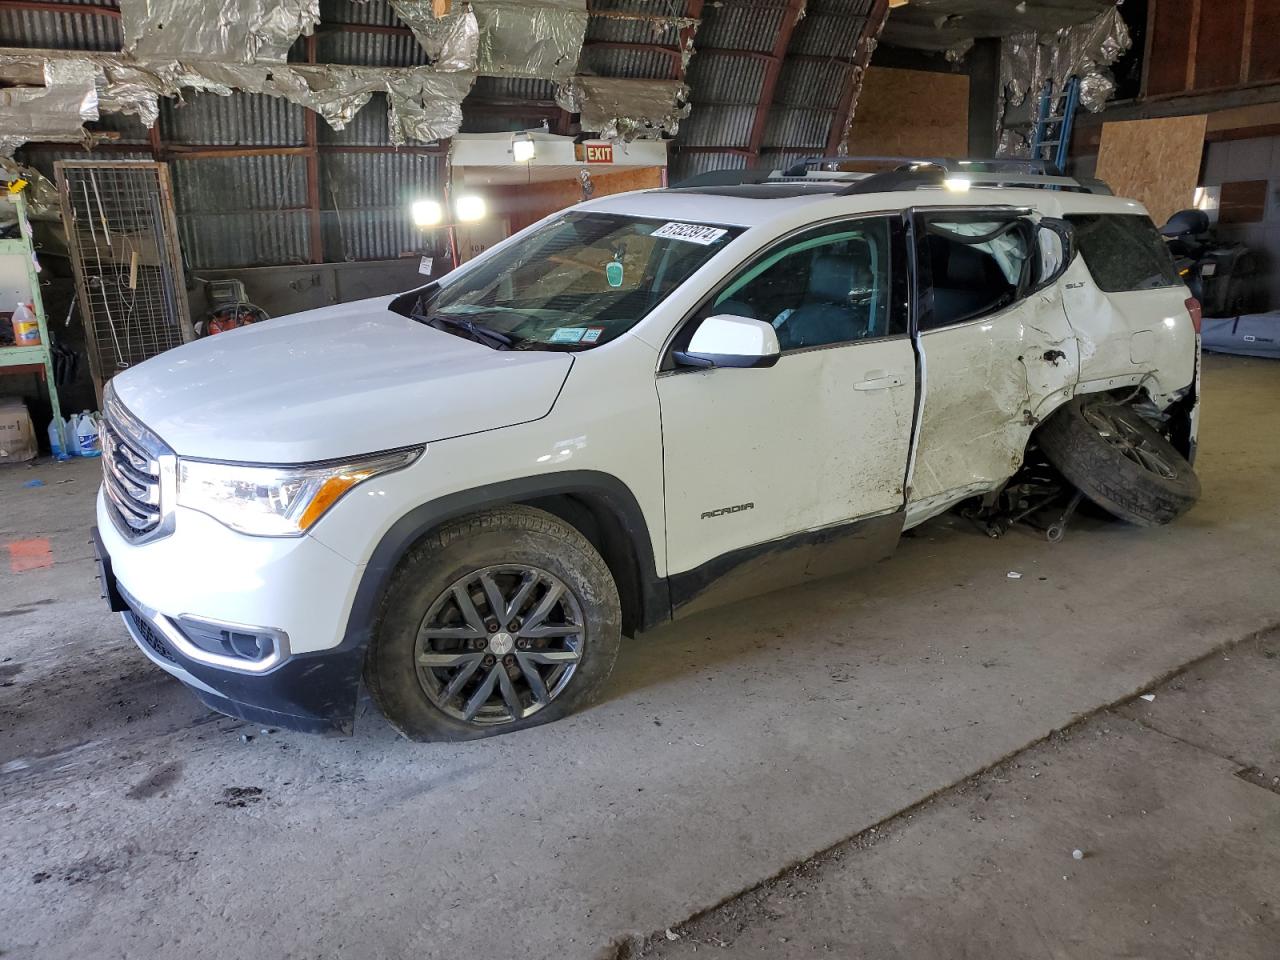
522, 148
426, 213
958, 184
469, 208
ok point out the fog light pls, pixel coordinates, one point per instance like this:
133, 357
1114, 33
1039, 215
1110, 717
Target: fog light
228, 640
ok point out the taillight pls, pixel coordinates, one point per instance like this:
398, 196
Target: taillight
1193, 308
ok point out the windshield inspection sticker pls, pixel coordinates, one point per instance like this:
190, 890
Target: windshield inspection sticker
692, 232
568, 334
592, 334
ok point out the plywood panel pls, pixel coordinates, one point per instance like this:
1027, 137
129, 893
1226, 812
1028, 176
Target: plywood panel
1170, 47
1220, 46
1154, 161
911, 113
1243, 201
1244, 123
1264, 50
528, 203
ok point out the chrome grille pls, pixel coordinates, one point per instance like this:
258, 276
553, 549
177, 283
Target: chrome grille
133, 473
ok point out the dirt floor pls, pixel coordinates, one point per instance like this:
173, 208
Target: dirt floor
729, 748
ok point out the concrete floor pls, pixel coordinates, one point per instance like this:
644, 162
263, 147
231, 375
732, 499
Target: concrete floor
1174, 806
133, 823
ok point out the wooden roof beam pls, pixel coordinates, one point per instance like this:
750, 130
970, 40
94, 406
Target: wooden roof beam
773, 69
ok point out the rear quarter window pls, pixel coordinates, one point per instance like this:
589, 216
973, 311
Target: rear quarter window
1124, 252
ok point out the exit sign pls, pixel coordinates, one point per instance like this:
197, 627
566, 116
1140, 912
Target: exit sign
598, 152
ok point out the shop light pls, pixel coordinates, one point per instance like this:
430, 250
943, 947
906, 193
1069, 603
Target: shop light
958, 184
522, 148
469, 208
426, 213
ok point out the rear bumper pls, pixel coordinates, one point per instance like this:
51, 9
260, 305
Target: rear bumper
314, 692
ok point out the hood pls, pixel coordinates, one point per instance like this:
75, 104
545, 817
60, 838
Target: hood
334, 382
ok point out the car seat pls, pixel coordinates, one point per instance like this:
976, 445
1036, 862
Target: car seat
835, 309
966, 281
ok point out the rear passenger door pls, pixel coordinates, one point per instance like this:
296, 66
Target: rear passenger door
993, 350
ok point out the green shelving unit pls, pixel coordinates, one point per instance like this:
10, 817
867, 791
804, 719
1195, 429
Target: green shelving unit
19, 281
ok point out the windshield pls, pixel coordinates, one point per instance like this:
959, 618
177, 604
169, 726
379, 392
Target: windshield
577, 282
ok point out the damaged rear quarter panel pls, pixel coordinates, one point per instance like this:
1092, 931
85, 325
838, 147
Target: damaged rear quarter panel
1130, 337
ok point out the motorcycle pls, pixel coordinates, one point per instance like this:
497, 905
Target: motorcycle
1217, 271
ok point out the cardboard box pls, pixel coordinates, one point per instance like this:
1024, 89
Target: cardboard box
17, 436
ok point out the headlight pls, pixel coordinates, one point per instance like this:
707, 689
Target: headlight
277, 501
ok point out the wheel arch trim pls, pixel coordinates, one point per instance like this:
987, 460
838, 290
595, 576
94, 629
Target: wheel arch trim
604, 488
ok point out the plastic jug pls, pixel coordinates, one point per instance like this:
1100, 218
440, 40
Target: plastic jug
26, 329
60, 435
88, 444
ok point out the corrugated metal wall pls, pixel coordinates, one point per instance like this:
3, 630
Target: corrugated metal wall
815, 81
364, 197
241, 163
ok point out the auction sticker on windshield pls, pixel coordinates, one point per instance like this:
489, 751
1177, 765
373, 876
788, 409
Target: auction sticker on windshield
691, 232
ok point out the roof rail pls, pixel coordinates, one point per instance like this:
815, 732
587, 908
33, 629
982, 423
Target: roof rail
1035, 167
912, 178
801, 167
911, 173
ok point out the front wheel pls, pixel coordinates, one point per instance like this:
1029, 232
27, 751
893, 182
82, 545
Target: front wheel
496, 622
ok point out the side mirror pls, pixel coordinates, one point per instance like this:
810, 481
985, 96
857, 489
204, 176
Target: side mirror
727, 341
1055, 249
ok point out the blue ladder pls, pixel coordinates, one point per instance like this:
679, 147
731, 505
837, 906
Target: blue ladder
1052, 140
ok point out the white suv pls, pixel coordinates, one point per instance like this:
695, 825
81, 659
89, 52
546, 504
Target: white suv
640, 407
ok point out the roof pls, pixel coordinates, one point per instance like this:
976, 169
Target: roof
699, 208
765, 191
752, 205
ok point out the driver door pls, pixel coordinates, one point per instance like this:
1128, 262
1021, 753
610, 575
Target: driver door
797, 470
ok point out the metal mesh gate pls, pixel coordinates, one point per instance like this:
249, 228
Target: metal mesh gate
124, 250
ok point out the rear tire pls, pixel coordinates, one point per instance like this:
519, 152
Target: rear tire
1119, 461
512, 598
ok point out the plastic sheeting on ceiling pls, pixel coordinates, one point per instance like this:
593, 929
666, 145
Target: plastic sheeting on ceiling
222, 30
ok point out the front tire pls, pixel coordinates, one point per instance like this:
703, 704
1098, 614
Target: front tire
495, 622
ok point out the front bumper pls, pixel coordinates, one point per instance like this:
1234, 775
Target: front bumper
312, 690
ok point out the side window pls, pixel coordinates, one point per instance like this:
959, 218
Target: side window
1124, 252
828, 285
977, 267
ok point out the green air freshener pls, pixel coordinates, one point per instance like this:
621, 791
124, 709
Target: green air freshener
613, 273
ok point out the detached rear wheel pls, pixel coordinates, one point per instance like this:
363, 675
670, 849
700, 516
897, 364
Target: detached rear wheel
1119, 461
496, 622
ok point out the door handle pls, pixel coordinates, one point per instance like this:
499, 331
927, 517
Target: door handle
878, 380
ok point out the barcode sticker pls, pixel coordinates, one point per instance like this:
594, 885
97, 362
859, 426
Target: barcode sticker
425, 266
691, 232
